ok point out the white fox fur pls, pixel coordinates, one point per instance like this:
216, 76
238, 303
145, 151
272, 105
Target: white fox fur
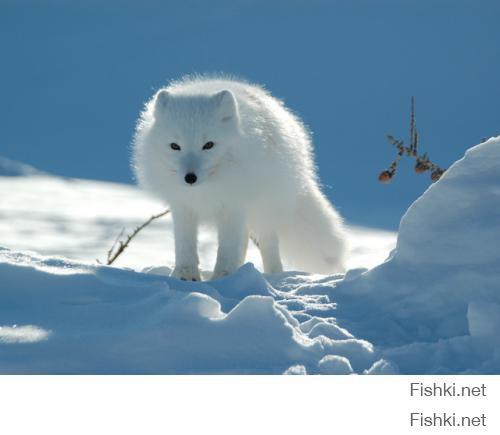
257, 180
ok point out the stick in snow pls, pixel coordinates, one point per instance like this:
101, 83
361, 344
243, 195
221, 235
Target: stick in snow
113, 253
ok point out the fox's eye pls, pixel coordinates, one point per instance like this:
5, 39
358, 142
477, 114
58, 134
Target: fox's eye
208, 145
175, 147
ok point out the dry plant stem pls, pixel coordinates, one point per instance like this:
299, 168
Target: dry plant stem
423, 162
113, 253
411, 152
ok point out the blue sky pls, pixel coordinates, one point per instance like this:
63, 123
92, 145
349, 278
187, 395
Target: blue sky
74, 76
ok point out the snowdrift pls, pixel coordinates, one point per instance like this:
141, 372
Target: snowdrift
11, 168
66, 317
432, 307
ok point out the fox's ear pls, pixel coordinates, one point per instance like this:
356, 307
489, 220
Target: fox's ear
161, 101
226, 105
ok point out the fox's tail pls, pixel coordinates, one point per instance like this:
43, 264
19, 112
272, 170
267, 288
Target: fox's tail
314, 240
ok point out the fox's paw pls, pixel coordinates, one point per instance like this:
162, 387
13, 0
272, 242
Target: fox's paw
186, 273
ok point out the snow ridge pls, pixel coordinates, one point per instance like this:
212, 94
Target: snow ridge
109, 320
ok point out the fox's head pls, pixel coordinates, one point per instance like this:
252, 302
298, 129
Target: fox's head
194, 133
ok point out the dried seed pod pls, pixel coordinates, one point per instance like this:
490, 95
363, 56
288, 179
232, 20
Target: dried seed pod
423, 162
421, 166
436, 175
385, 176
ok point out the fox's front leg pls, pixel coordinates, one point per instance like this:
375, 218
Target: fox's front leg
233, 243
186, 245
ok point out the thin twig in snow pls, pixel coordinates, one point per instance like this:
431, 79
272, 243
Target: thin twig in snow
114, 252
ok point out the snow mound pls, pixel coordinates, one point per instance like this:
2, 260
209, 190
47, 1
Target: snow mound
335, 365
433, 307
12, 168
82, 318
458, 219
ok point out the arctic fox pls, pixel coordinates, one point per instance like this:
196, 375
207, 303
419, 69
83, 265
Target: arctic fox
227, 153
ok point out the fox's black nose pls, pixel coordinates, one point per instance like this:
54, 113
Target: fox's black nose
190, 178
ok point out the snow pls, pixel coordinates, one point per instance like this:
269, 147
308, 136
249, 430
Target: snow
433, 307
458, 220
81, 318
22, 334
80, 219
335, 365
13, 168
